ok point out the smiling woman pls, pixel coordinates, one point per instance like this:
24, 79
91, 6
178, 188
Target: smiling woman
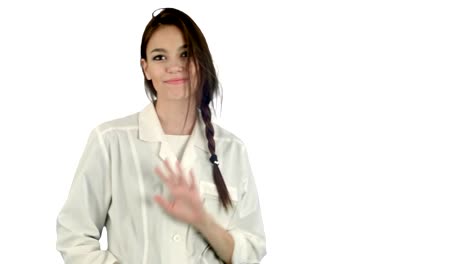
168, 65
169, 185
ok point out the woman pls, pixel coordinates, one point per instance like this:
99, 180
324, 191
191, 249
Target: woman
203, 209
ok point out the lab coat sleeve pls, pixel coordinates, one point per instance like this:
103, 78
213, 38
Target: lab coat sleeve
246, 228
80, 222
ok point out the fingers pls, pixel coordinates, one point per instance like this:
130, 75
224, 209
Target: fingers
169, 176
163, 203
172, 177
166, 179
192, 184
172, 174
168, 167
182, 179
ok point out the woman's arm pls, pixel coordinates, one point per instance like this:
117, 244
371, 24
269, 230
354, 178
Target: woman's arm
80, 222
246, 227
219, 239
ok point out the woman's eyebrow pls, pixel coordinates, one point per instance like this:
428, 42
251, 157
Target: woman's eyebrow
158, 50
165, 51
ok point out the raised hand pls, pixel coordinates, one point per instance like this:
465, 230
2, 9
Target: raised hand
185, 203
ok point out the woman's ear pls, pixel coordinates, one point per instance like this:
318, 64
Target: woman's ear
144, 67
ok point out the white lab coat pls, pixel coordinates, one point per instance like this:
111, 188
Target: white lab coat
115, 183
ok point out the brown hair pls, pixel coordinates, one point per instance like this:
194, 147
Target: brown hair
206, 77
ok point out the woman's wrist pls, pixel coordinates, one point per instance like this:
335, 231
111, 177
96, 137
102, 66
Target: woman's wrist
220, 240
204, 222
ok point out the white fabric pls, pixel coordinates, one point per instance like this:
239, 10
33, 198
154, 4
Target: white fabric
115, 183
177, 144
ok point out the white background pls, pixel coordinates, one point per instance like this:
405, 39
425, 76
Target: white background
354, 113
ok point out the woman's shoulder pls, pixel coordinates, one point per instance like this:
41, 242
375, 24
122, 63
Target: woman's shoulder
122, 123
226, 136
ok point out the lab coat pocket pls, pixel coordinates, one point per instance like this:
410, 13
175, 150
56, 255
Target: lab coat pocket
212, 204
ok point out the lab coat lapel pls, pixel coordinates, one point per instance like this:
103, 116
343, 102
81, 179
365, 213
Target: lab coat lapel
150, 129
165, 152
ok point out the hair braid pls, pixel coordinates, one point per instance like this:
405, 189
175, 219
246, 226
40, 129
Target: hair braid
217, 177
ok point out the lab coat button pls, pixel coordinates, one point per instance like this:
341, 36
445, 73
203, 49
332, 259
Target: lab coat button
176, 238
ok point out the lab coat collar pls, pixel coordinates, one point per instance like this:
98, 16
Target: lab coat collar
150, 129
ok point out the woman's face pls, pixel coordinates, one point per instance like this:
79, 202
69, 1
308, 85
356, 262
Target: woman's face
167, 65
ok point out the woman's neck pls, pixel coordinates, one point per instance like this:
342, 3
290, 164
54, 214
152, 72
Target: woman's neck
172, 115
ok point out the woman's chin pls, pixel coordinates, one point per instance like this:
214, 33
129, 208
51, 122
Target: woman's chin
178, 96
175, 94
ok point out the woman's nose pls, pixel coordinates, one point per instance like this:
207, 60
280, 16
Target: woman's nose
175, 66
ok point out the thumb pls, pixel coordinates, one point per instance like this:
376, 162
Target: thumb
163, 203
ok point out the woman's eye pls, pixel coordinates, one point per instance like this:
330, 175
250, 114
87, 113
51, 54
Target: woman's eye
158, 57
184, 54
